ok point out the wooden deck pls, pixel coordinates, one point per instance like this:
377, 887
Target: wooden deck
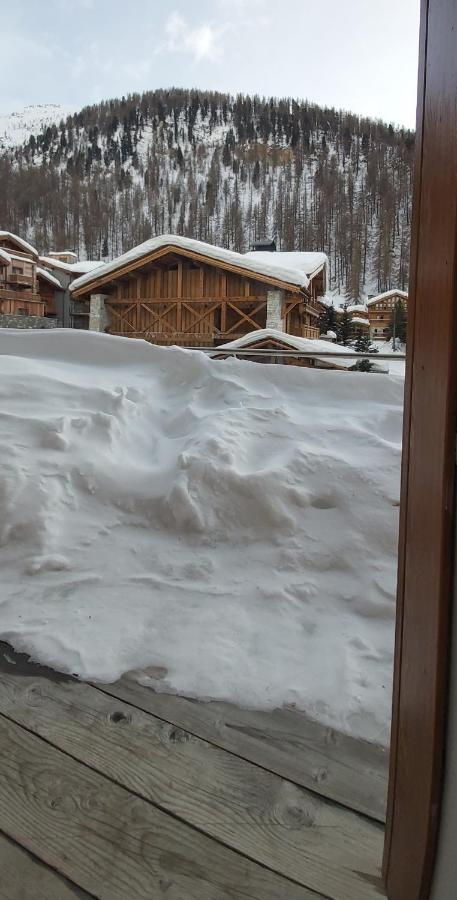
116, 792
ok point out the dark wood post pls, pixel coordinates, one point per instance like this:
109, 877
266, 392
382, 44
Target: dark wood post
425, 579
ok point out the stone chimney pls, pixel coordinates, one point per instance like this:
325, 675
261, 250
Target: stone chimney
275, 301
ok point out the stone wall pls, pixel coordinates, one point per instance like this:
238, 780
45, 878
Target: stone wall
7, 321
274, 310
98, 316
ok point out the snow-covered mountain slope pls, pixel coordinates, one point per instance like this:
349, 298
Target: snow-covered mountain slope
16, 127
226, 170
198, 522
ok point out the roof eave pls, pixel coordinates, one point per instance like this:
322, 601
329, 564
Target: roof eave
89, 285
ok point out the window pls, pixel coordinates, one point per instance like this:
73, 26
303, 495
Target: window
17, 270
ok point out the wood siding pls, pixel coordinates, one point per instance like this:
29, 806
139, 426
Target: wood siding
197, 305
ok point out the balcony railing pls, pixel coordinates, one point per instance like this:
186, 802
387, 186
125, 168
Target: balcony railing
10, 294
15, 278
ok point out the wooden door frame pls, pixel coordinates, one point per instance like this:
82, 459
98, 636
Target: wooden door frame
426, 564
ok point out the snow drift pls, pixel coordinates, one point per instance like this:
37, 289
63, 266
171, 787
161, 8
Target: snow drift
226, 529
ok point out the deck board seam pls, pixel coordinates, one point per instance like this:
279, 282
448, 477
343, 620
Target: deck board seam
322, 797
83, 891
164, 810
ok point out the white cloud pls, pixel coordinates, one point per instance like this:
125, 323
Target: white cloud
202, 42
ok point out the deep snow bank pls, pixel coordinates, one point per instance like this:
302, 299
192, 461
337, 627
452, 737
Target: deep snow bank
228, 527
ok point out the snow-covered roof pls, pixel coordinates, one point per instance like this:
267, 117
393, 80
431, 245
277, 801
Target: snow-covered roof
5, 257
360, 320
42, 273
308, 262
396, 292
78, 268
357, 308
261, 266
27, 248
294, 342
55, 254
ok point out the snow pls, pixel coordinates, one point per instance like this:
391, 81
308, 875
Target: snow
16, 127
359, 320
230, 257
396, 366
77, 268
308, 262
308, 345
218, 529
27, 248
49, 277
358, 308
386, 295
5, 257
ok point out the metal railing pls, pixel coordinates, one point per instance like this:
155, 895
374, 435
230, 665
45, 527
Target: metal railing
305, 354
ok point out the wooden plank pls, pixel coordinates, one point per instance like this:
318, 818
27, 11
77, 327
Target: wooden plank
23, 877
426, 580
111, 843
196, 257
348, 771
317, 844
179, 285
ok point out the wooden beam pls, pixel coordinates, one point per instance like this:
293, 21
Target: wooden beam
426, 547
199, 258
179, 290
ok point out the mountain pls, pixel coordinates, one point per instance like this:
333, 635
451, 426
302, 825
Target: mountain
228, 170
16, 127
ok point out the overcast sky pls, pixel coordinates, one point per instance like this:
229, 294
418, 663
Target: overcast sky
357, 54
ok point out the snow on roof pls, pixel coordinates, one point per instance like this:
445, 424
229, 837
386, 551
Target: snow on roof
360, 320
42, 273
5, 257
27, 248
294, 342
260, 266
396, 292
357, 307
55, 254
308, 262
78, 268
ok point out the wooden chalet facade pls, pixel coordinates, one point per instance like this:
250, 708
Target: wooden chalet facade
380, 309
174, 290
26, 289
280, 343
19, 292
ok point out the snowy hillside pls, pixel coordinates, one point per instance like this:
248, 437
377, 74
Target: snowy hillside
16, 127
199, 523
227, 170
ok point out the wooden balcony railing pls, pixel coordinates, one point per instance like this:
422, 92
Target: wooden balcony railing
14, 278
310, 331
10, 294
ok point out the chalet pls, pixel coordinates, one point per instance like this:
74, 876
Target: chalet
175, 290
19, 295
65, 267
380, 309
360, 323
313, 264
50, 290
270, 339
26, 289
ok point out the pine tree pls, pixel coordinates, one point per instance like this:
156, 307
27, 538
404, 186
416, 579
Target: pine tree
344, 327
328, 320
397, 325
362, 365
364, 345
